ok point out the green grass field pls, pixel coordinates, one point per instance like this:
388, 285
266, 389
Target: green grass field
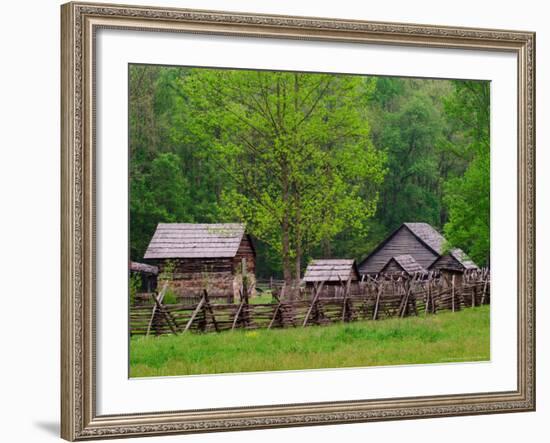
264, 297
444, 337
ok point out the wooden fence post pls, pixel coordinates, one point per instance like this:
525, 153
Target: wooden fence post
244, 277
194, 314
345, 301
453, 292
160, 297
167, 316
405, 302
238, 313
391, 295
484, 291
275, 312
378, 294
313, 301
428, 296
210, 310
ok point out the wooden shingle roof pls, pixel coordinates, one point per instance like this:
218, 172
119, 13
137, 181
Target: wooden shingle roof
143, 268
428, 235
192, 240
407, 263
460, 256
331, 270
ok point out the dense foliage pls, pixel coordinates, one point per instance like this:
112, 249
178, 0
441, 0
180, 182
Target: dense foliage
468, 196
314, 164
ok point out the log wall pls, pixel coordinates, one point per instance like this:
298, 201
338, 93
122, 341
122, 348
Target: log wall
402, 242
221, 277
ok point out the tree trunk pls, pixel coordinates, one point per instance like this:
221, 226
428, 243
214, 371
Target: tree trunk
287, 271
287, 267
327, 251
298, 239
298, 264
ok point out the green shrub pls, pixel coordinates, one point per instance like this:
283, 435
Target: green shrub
170, 297
135, 285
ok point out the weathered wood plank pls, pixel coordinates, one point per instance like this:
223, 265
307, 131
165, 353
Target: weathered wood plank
154, 309
195, 312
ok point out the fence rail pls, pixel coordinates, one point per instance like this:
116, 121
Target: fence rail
372, 299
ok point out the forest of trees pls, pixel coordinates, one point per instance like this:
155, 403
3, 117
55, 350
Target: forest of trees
316, 165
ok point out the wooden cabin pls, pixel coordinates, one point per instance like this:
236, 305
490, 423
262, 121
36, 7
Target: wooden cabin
454, 262
335, 274
147, 275
193, 257
403, 264
420, 241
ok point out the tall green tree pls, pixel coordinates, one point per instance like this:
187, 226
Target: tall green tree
211, 146
468, 197
425, 150
161, 195
468, 201
297, 150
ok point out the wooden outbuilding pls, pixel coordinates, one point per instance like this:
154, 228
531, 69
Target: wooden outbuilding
421, 241
335, 274
193, 257
400, 264
147, 275
454, 261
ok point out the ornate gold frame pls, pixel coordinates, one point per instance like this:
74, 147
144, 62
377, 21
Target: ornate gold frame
79, 420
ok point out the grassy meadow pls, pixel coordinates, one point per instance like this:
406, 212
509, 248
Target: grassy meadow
445, 337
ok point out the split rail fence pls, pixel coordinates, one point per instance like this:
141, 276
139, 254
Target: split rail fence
373, 298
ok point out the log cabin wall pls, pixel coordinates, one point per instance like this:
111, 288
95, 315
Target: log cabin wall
393, 268
220, 276
190, 276
334, 274
194, 257
402, 242
246, 251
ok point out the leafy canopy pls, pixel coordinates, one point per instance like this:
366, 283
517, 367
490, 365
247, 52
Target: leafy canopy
296, 150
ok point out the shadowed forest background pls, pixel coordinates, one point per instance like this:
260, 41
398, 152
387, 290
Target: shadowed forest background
316, 165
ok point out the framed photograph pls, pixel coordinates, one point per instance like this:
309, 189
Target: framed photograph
277, 221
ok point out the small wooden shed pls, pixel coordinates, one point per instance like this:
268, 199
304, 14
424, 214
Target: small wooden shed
419, 240
147, 275
193, 257
400, 264
333, 272
455, 260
